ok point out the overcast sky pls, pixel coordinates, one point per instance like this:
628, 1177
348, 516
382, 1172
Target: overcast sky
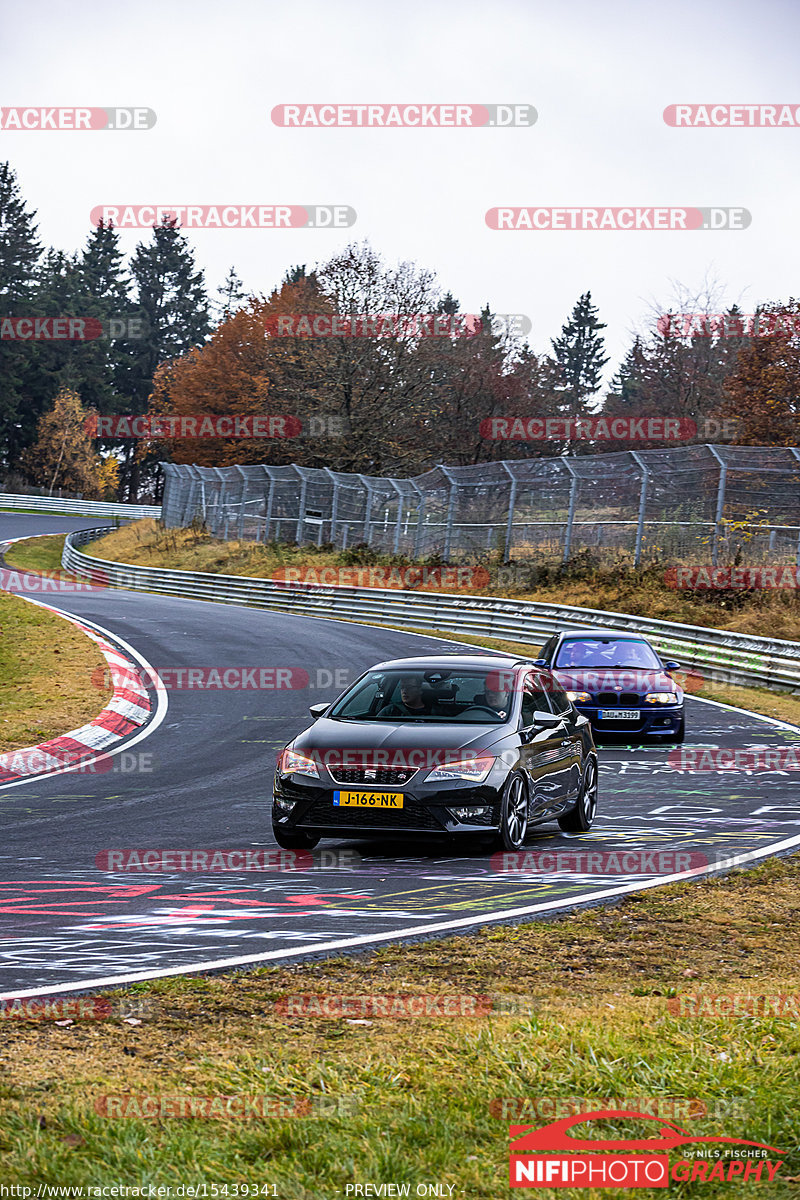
599, 75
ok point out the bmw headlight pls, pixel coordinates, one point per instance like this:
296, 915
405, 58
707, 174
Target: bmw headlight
579, 697
661, 698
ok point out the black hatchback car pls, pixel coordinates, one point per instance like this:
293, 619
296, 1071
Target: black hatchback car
619, 681
442, 746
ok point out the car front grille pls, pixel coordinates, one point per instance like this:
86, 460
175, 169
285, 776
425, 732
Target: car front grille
410, 816
386, 776
618, 699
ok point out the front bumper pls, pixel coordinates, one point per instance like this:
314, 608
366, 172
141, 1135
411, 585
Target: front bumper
425, 811
653, 720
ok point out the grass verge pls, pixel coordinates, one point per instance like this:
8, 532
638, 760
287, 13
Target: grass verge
50, 675
417, 1100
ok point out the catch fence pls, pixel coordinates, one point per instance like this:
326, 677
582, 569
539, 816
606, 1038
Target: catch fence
700, 503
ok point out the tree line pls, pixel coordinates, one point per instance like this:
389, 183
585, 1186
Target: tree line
391, 404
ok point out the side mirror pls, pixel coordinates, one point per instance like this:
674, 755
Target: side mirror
541, 662
546, 720
318, 710
672, 666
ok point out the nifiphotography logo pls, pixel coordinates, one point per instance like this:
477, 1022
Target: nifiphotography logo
631, 1163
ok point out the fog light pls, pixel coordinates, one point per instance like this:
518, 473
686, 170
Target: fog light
284, 805
470, 811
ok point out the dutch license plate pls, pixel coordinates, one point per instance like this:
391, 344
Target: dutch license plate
368, 799
619, 714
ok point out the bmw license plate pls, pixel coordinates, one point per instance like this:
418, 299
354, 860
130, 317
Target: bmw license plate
368, 799
619, 714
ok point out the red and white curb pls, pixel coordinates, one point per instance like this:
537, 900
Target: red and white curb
129, 710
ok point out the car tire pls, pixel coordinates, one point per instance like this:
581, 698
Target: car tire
681, 734
294, 840
513, 814
579, 819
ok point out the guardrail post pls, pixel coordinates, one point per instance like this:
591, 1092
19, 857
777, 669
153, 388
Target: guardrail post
637, 554
573, 496
723, 475
512, 500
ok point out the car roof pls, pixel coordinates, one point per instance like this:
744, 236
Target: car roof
602, 633
453, 661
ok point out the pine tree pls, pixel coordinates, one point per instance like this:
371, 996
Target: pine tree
232, 294
20, 251
172, 300
579, 354
105, 288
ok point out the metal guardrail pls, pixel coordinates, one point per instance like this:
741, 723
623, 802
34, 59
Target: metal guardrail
89, 508
717, 654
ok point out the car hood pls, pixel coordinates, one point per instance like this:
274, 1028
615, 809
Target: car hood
610, 679
326, 735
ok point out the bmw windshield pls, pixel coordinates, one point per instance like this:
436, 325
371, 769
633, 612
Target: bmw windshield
576, 654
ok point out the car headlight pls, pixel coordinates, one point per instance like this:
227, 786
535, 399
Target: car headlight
474, 770
581, 697
661, 698
283, 804
292, 763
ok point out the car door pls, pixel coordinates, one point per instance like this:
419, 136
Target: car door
574, 725
545, 754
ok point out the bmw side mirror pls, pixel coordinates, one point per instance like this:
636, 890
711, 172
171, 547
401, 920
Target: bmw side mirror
318, 710
672, 666
546, 720
541, 662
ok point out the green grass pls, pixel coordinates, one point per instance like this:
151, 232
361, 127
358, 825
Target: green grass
37, 553
424, 1091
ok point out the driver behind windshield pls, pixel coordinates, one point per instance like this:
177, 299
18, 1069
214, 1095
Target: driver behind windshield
412, 703
493, 695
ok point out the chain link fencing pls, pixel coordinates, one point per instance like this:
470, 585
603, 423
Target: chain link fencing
701, 503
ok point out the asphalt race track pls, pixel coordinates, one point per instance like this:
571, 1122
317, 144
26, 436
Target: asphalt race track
202, 779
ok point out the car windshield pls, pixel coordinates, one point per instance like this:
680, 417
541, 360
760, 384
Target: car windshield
576, 653
431, 695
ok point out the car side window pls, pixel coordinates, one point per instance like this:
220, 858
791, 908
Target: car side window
558, 697
548, 648
534, 699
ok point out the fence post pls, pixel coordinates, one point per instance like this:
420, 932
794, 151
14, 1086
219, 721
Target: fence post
573, 496
301, 515
451, 504
368, 507
399, 522
796, 454
512, 500
270, 496
723, 475
334, 501
242, 504
637, 554
420, 529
